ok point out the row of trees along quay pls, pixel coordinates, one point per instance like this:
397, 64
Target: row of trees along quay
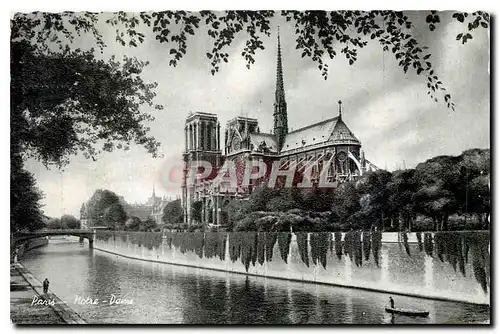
89, 104
466, 252
442, 193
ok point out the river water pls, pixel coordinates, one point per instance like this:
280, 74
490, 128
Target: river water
169, 294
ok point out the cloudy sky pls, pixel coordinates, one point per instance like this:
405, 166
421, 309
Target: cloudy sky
388, 110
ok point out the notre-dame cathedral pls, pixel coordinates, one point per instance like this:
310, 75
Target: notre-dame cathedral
329, 143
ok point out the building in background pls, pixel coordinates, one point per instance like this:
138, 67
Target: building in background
153, 208
84, 216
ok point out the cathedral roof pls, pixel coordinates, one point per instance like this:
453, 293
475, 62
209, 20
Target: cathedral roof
332, 130
268, 138
342, 134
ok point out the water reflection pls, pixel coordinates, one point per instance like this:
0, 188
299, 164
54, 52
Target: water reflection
172, 294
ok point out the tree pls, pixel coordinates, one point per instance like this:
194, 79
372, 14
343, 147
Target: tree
69, 221
439, 179
148, 225
25, 207
316, 199
114, 216
235, 211
133, 224
259, 199
319, 34
98, 209
478, 199
473, 164
173, 213
196, 211
473, 191
81, 102
54, 224
374, 192
346, 202
282, 200
402, 189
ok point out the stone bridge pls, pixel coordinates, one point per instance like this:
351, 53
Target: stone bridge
21, 237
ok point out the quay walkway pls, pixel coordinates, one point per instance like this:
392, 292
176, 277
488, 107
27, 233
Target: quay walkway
23, 288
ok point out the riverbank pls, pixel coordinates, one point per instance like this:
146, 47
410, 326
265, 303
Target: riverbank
431, 265
27, 246
25, 289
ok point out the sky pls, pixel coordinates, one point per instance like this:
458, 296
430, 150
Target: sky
388, 111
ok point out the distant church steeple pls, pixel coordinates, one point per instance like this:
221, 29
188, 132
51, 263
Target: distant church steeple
280, 114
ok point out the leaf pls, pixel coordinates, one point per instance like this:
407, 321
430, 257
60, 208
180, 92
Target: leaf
172, 51
460, 18
459, 36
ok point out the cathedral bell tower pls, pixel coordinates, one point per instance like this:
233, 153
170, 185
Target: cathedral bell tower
280, 115
202, 144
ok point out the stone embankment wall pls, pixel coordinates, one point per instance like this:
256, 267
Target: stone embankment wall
27, 246
443, 265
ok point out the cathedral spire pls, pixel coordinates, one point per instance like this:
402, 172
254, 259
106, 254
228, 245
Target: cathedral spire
280, 114
340, 109
280, 90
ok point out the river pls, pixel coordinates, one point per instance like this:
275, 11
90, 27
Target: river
169, 294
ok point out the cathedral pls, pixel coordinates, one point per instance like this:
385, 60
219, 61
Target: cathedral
328, 145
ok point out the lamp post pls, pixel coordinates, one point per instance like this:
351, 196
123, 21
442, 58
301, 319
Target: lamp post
61, 198
466, 192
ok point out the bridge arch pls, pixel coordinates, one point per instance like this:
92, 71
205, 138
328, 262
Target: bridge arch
20, 237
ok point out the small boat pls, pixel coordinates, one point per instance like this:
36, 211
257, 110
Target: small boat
401, 311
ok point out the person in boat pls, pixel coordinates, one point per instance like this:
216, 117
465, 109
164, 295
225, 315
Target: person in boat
391, 301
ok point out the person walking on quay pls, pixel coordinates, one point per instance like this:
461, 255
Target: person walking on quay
46, 285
